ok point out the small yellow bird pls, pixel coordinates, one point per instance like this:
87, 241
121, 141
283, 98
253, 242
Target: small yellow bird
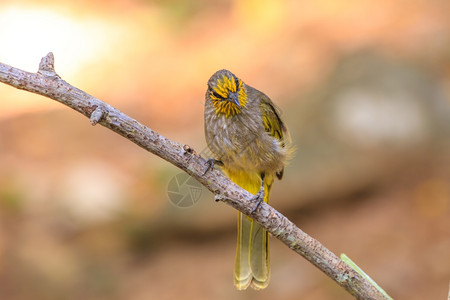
245, 133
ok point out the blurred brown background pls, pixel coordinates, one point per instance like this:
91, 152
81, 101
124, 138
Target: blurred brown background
363, 85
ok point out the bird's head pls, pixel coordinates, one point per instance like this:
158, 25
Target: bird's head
227, 93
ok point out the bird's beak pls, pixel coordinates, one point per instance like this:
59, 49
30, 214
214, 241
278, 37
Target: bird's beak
234, 97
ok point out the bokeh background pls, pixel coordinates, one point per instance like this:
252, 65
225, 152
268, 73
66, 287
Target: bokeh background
364, 87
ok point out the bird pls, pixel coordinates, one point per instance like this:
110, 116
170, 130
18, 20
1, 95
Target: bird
251, 144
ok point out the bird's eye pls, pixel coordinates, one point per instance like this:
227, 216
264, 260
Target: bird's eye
217, 95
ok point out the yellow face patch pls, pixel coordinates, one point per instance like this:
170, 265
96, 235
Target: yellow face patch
221, 92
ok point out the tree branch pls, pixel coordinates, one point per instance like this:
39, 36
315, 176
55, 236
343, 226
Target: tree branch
47, 83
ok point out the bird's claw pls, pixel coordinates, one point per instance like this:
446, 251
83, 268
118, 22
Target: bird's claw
259, 197
211, 162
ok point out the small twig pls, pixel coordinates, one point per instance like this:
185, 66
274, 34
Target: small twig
47, 83
355, 267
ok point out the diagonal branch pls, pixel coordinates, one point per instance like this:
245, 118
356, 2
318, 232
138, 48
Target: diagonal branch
47, 83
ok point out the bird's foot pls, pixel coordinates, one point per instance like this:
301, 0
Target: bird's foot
258, 198
211, 162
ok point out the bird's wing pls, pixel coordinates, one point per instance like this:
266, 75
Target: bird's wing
271, 121
273, 125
